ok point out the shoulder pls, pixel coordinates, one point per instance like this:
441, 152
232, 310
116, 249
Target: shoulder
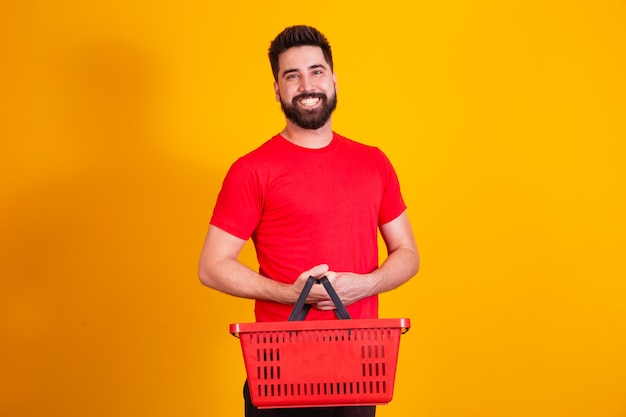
269, 151
257, 158
361, 149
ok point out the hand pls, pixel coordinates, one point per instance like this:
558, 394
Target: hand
350, 287
318, 292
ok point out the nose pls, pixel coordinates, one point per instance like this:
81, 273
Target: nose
307, 84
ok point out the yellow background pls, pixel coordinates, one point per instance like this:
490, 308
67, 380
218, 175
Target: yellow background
505, 121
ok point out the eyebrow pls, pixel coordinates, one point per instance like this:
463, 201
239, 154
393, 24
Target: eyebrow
314, 66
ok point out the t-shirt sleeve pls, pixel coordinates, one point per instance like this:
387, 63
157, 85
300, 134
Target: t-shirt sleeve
238, 207
392, 204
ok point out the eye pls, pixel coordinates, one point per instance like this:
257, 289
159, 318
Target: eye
291, 76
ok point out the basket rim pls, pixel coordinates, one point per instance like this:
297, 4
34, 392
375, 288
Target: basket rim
238, 328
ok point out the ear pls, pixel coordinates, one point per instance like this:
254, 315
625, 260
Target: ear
276, 92
335, 80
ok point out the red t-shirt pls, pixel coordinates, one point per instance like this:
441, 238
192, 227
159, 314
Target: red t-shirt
304, 207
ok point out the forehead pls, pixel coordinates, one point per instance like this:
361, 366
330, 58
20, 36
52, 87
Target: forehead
301, 57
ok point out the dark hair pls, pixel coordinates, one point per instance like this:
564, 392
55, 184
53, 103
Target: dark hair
298, 36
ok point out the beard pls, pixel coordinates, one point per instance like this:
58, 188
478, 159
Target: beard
310, 118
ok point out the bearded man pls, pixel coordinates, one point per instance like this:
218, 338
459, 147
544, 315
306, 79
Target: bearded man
313, 202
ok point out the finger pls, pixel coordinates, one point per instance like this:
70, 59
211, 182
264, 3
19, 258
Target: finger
332, 276
318, 294
325, 305
317, 271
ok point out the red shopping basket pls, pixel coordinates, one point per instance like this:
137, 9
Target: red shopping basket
323, 362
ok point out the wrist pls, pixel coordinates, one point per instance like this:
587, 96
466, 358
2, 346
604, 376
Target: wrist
371, 283
282, 293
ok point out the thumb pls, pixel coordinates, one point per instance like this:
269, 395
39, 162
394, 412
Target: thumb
316, 272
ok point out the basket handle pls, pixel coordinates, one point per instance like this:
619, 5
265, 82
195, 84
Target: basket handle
341, 311
300, 309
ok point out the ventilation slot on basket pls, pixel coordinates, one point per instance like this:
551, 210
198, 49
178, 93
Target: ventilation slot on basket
268, 367
267, 355
323, 389
268, 372
373, 361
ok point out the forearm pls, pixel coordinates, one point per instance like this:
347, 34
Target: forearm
402, 261
232, 277
400, 266
221, 270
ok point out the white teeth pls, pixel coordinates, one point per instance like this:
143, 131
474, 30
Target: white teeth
309, 101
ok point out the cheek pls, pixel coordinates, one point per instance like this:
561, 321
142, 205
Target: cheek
286, 94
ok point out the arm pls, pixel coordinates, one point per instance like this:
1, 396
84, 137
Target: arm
220, 269
401, 264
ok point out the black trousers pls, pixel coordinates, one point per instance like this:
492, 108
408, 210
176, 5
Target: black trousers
352, 411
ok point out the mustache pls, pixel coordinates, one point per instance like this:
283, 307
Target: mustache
302, 96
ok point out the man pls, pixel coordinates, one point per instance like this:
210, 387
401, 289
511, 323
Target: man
312, 201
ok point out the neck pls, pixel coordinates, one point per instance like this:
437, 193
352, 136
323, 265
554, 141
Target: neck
308, 138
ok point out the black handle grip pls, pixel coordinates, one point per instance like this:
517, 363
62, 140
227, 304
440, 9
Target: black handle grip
341, 311
300, 309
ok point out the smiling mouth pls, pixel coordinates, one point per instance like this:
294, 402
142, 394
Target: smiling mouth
309, 101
